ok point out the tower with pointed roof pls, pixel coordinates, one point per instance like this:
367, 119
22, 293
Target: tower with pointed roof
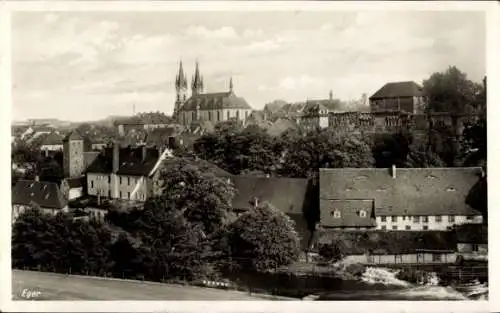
73, 158
181, 89
197, 83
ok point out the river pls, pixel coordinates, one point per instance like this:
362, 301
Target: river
375, 283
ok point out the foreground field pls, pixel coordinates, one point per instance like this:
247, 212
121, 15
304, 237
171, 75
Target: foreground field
50, 286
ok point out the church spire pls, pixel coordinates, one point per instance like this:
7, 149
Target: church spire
180, 80
197, 85
231, 84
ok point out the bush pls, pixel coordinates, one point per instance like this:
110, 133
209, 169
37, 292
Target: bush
330, 252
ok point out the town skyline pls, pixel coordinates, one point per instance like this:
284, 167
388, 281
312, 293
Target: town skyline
105, 64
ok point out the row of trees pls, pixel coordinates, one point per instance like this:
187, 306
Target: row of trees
186, 231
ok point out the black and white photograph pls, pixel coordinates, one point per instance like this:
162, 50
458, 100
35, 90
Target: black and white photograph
249, 155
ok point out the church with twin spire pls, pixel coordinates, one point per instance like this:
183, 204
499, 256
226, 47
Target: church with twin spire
200, 106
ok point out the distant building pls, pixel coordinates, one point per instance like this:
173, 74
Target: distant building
292, 196
315, 113
400, 199
73, 155
211, 107
46, 196
52, 142
398, 97
124, 173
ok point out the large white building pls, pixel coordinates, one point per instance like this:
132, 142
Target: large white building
398, 199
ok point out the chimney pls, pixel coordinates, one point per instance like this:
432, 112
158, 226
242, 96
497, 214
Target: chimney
144, 153
116, 157
393, 171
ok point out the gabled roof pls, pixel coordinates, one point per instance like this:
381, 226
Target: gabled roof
414, 191
74, 135
398, 89
287, 194
52, 139
212, 101
45, 194
130, 161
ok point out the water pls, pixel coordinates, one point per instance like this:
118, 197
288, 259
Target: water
374, 283
386, 286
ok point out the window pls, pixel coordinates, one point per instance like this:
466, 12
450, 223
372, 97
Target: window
449, 227
209, 116
128, 195
394, 227
336, 214
193, 116
382, 219
228, 115
469, 218
425, 227
246, 114
451, 219
91, 184
438, 218
416, 219
394, 219
475, 247
398, 259
120, 180
120, 194
425, 219
109, 179
362, 213
128, 181
408, 227
237, 115
109, 193
384, 227
436, 257
218, 115
420, 257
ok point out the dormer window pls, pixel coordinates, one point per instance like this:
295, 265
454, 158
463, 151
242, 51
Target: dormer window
336, 214
450, 189
362, 213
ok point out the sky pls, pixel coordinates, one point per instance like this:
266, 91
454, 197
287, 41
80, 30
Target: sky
81, 66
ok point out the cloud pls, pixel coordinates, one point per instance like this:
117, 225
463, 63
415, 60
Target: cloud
205, 33
107, 62
301, 82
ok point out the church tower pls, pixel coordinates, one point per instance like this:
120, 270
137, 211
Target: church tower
73, 163
197, 84
181, 90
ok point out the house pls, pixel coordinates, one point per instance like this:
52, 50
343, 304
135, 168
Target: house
292, 196
34, 193
406, 96
211, 107
391, 248
124, 173
74, 188
472, 242
52, 142
315, 112
399, 199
